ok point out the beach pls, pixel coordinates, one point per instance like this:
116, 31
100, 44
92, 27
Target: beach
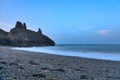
28, 65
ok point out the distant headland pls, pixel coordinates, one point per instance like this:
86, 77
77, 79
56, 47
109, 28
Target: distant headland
22, 37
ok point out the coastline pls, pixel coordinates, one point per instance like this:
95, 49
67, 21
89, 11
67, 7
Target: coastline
26, 65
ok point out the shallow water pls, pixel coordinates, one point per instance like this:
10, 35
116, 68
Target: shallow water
104, 52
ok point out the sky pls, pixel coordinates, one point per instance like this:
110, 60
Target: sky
66, 21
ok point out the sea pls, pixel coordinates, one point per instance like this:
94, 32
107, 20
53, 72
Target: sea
92, 51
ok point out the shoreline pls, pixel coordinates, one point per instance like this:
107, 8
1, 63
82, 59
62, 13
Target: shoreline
27, 65
68, 56
99, 55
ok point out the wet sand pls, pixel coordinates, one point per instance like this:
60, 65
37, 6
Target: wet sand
25, 65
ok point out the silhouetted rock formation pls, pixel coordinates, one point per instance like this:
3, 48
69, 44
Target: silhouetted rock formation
39, 31
19, 25
3, 35
21, 36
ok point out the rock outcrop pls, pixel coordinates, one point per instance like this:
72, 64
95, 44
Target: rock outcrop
22, 37
3, 35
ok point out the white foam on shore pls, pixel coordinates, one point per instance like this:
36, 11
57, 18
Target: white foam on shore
93, 55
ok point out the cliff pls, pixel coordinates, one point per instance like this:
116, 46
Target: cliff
21, 36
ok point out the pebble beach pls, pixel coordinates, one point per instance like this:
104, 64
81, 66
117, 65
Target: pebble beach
26, 65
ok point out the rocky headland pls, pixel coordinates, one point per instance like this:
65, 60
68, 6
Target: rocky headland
23, 37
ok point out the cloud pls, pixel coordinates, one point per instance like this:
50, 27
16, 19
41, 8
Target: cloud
104, 32
5, 26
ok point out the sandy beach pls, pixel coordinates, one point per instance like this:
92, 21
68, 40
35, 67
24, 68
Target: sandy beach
25, 65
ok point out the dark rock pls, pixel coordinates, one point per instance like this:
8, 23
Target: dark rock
39, 31
59, 69
84, 77
3, 62
39, 75
23, 37
33, 63
45, 68
24, 26
19, 25
1, 68
3, 35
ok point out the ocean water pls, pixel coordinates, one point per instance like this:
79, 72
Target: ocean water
94, 51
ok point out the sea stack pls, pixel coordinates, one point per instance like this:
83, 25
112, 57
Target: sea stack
22, 37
